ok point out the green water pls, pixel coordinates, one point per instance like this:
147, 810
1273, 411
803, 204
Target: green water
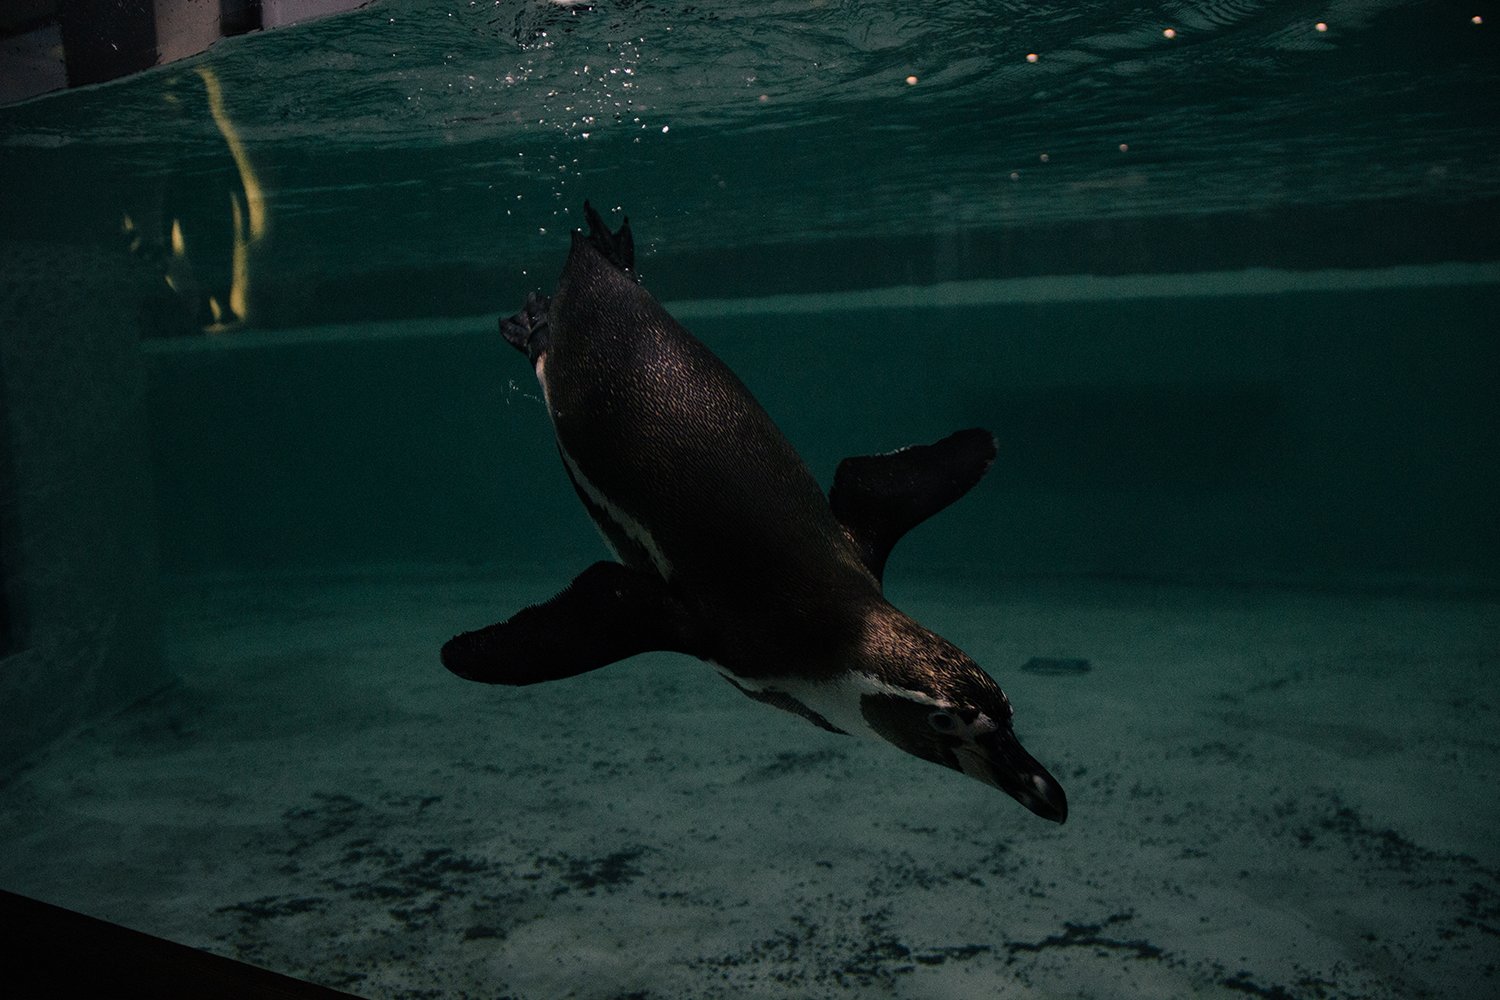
419, 159
1227, 299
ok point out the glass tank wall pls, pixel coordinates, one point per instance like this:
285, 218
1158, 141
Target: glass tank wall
1222, 278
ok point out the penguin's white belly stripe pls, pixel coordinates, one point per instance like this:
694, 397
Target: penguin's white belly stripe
633, 529
838, 701
541, 379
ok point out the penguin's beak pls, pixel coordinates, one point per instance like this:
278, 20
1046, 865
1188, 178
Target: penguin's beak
998, 759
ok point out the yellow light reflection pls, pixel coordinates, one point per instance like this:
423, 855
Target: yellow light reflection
249, 219
127, 226
239, 289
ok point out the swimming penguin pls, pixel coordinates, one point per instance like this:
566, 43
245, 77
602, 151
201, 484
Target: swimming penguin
728, 550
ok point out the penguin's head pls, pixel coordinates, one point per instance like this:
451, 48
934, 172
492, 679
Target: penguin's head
936, 703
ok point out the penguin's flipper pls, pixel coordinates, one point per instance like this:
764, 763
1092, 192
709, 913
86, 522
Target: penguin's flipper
609, 612
879, 498
618, 247
529, 330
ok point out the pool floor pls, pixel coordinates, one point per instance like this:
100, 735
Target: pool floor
1272, 793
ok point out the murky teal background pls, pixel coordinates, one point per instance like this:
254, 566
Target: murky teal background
1227, 298
1314, 437
420, 160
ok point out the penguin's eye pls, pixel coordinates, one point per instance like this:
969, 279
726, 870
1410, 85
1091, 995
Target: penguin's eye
942, 721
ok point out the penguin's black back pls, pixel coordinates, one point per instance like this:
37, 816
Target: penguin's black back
670, 436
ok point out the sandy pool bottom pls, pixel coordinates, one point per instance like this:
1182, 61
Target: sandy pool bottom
1272, 793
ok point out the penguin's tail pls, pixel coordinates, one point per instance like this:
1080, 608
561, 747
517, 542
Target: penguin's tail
616, 247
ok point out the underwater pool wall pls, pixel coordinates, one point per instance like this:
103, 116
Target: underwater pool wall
1316, 437
77, 537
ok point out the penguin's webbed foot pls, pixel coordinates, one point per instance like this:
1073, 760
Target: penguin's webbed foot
618, 247
528, 330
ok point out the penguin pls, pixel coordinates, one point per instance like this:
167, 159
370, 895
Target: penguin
726, 547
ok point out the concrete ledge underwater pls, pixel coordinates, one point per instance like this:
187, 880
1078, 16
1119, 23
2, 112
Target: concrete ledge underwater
976, 292
1247, 426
